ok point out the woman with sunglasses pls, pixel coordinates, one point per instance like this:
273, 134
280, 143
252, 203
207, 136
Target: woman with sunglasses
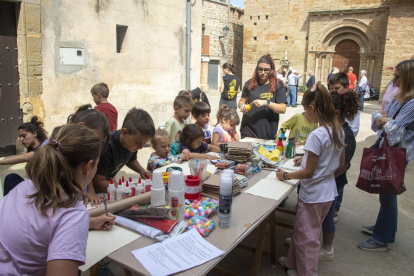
397, 121
266, 95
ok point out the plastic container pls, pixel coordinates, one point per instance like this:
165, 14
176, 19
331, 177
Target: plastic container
192, 187
198, 167
284, 145
280, 146
248, 107
226, 189
127, 191
111, 191
165, 177
147, 184
294, 147
139, 189
230, 173
123, 181
290, 149
119, 190
176, 195
157, 190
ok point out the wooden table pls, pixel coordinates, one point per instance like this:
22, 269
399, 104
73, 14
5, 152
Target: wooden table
248, 212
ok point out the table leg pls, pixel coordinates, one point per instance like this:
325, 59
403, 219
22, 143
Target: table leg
259, 247
127, 272
94, 269
273, 237
223, 272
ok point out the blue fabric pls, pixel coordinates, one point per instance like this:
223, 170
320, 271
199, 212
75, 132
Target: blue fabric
338, 200
291, 95
400, 132
11, 181
361, 99
202, 149
328, 224
386, 225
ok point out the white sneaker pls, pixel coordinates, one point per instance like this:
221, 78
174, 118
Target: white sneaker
282, 261
326, 255
336, 217
289, 272
287, 241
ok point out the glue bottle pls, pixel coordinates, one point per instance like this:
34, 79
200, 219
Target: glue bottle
132, 186
148, 184
111, 191
280, 146
248, 107
284, 145
119, 190
176, 195
226, 187
127, 191
157, 190
140, 189
123, 181
290, 149
230, 173
283, 133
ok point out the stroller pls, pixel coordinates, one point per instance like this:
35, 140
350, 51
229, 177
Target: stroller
371, 93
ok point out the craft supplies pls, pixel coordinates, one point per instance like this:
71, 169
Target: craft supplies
201, 208
176, 195
280, 146
203, 225
244, 169
111, 191
297, 161
239, 151
165, 177
139, 227
225, 199
290, 149
106, 208
118, 206
248, 107
284, 141
211, 187
223, 151
240, 180
178, 229
127, 192
157, 190
198, 167
119, 190
273, 156
192, 187
147, 184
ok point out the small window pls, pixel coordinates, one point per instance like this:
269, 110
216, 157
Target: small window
267, 17
306, 38
255, 23
120, 36
286, 37
258, 17
255, 38
251, 17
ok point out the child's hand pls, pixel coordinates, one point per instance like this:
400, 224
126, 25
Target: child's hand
211, 157
298, 143
100, 223
259, 103
243, 108
94, 199
297, 161
279, 174
183, 157
144, 174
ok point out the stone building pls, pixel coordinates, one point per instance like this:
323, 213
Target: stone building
60, 48
371, 35
214, 42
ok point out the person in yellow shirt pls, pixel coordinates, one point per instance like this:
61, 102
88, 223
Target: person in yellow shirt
300, 127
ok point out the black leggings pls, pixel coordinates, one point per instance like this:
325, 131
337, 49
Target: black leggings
11, 181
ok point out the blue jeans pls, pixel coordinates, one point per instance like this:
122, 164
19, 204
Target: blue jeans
11, 181
291, 95
386, 225
339, 197
328, 224
361, 99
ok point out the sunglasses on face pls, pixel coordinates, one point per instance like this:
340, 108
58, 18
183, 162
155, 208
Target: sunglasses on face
267, 70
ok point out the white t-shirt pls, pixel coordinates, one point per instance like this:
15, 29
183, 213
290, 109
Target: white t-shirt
354, 124
321, 187
208, 133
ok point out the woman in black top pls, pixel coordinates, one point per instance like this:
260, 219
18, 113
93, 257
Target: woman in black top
267, 96
230, 86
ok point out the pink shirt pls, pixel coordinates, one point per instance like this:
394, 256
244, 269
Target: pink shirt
28, 239
389, 94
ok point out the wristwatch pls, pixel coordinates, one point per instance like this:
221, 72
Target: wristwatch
267, 102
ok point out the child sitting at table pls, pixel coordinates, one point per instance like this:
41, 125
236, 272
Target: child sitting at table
162, 157
225, 130
324, 154
201, 113
300, 127
192, 144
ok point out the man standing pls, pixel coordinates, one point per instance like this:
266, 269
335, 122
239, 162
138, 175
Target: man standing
311, 80
292, 88
362, 87
352, 78
290, 71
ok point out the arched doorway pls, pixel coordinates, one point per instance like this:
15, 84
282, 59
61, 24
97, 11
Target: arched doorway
347, 55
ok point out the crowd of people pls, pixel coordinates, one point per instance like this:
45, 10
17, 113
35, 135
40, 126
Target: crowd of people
79, 160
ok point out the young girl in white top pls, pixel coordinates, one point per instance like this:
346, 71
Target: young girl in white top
225, 130
323, 155
43, 225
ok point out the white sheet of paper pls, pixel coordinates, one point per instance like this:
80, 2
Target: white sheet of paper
102, 243
300, 150
270, 188
177, 254
290, 165
272, 176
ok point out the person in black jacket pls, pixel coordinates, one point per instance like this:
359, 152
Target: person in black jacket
311, 80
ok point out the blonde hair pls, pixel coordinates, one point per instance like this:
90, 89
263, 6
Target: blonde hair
159, 134
322, 101
406, 88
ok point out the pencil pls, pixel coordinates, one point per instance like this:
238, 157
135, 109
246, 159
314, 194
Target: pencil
296, 163
106, 209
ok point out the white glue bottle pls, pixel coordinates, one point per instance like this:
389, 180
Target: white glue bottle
140, 189
119, 190
284, 141
157, 190
147, 184
132, 186
176, 195
226, 187
111, 191
127, 191
123, 181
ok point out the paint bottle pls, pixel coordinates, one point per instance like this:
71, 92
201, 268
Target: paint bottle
284, 145
157, 190
119, 190
283, 133
140, 188
248, 107
147, 184
294, 147
132, 186
123, 181
280, 146
176, 195
127, 191
290, 149
226, 187
111, 191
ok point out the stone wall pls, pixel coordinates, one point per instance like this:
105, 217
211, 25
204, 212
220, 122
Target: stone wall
283, 27
152, 62
215, 18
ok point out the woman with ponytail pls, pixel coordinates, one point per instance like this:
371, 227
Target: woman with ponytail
43, 225
266, 95
323, 158
230, 87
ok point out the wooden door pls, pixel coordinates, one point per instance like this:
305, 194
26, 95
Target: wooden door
347, 55
10, 112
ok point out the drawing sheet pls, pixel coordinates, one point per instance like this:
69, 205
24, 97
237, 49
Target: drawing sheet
177, 254
102, 243
290, 165
270, 188
300, 150
272, 176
